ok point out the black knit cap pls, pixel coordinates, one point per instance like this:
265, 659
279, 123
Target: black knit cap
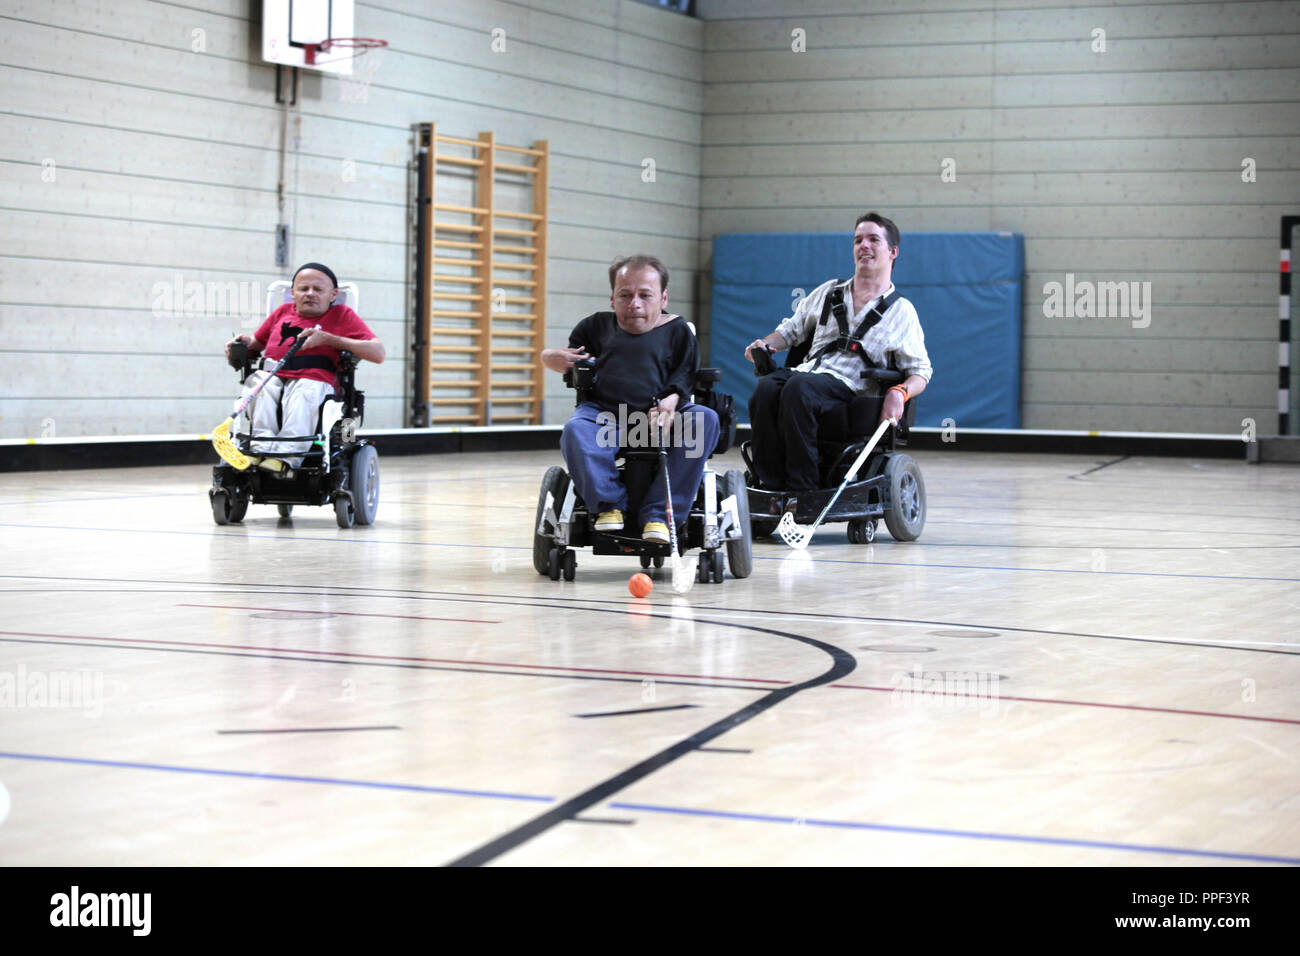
319, 268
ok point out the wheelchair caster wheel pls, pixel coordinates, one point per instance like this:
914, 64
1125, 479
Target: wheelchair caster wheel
554, 563
344, 513
719, 567
285, 510
645, 560
658, 561
228, 508
569, 565
862, 530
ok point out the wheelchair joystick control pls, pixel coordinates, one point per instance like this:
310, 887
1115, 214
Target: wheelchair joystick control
584, 373
238, 355
763, 363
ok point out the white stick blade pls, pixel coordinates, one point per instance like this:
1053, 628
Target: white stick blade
795, 535
684, 573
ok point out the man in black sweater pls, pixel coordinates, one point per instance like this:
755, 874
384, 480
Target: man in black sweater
646, 360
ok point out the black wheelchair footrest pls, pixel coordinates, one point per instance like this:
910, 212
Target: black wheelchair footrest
861, 499
605, 542
764, 503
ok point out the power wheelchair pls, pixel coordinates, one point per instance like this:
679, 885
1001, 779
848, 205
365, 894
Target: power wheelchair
718, 518
889, 485
339, 468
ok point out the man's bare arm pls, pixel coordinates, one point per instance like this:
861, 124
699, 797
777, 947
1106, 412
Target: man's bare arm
773, 343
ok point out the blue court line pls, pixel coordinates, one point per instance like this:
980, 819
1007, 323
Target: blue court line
359, 539
652, 808
288, 778
967, 834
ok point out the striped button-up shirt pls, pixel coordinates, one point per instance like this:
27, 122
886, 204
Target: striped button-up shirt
898, 336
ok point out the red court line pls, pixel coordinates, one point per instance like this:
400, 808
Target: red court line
1074, 703
603, 670
386, 657
297, 610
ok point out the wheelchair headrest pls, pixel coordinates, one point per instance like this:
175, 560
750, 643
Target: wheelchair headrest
280, 291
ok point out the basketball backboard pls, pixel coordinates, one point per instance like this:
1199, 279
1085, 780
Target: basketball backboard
288, 26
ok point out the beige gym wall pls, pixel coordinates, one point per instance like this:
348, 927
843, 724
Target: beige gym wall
142, 145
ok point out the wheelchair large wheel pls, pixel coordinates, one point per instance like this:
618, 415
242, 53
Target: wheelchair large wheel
556, 481
363, 480
906, 514
740, 551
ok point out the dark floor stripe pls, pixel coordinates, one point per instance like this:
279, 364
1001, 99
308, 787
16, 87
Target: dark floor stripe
641, 710
308, 730
613, 820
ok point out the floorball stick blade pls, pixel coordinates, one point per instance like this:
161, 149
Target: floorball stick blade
226, 448
795, 535
684, 573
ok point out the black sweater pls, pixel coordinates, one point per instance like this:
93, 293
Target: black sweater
638, 370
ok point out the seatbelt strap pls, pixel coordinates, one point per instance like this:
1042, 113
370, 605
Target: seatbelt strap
844, 342
309, 361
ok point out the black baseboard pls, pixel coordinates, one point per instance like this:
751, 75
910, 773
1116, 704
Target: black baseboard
70, 454
148, 451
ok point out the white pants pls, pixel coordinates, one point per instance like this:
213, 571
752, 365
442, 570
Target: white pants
297, 400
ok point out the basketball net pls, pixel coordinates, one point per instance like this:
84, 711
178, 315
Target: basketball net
369, 56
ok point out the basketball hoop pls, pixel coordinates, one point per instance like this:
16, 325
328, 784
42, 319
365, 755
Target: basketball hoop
352, 47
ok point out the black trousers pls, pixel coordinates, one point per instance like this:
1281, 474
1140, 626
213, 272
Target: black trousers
783, 413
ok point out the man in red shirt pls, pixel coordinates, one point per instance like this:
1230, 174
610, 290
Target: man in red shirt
288, 405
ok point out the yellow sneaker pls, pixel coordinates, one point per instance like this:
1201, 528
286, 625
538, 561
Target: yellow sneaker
610, 521
655, 531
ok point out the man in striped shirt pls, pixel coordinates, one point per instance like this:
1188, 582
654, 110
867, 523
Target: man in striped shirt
786, 404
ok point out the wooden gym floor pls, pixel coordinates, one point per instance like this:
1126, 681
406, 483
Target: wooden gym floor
1079, 663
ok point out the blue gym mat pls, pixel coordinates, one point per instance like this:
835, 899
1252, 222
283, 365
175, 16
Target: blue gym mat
966, 287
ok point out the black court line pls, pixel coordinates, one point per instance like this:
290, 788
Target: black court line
1104, 464
842, 663
308, 730
723, 750
641, 710
478, 597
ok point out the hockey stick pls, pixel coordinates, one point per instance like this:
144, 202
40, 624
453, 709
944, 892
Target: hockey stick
221, 439
798, 535
683, 573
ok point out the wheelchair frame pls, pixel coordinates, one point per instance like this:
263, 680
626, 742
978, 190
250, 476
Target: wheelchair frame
339, 469
890, 487
718, 518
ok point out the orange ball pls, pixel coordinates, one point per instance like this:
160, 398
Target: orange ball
640, 585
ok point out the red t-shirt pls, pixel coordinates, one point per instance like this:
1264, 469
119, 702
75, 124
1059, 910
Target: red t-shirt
285, 324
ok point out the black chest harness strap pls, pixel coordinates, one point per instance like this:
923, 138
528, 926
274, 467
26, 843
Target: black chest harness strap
844, 342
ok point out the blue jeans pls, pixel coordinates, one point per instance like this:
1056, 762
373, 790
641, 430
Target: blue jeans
590, 443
